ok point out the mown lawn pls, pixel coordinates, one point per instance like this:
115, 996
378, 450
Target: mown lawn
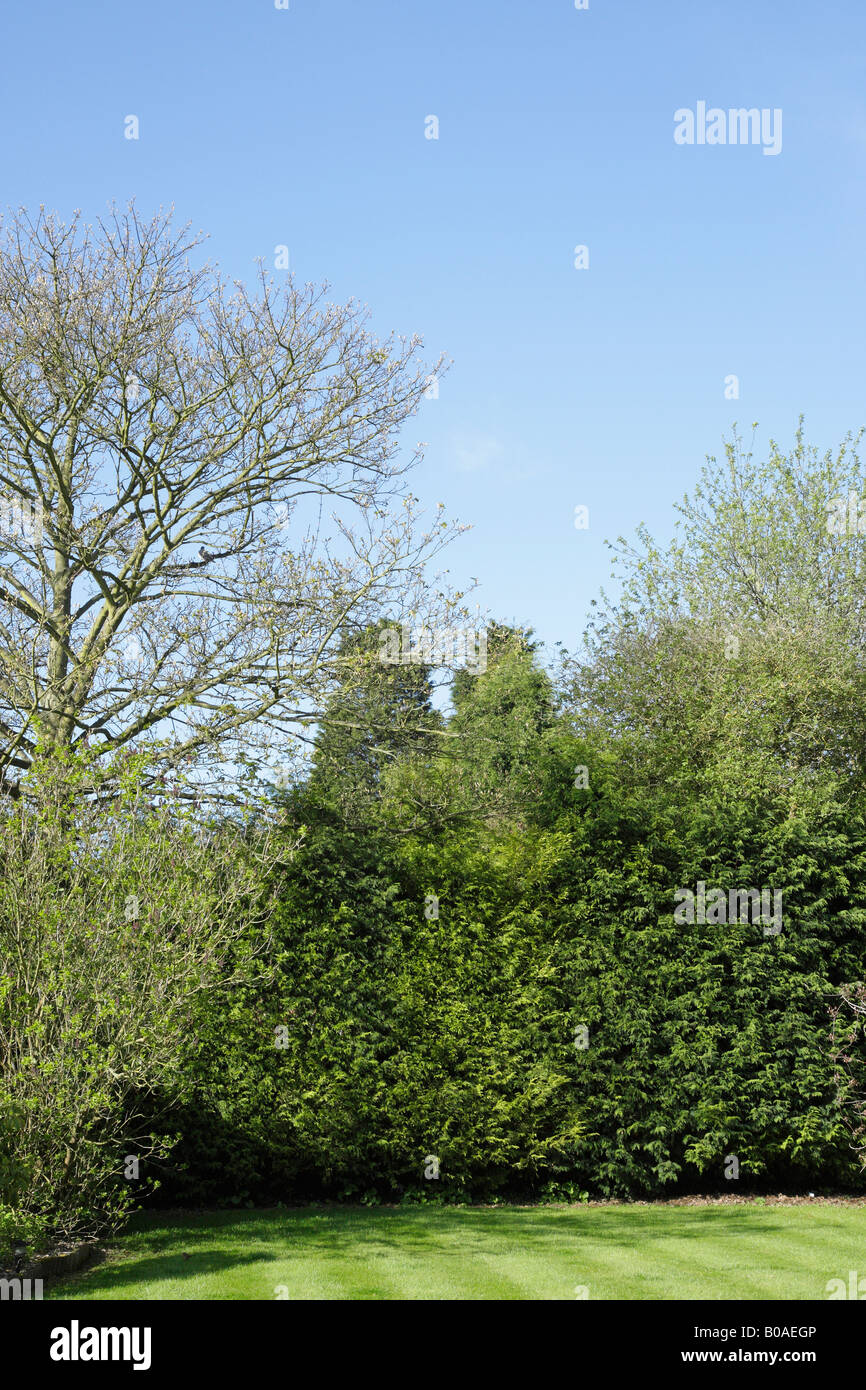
628, 1252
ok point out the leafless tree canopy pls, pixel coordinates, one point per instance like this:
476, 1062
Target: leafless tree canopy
172, 450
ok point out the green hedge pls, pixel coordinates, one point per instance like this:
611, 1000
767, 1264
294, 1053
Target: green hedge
408, 1038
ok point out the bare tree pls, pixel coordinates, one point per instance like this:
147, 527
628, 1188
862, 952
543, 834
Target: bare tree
173, 448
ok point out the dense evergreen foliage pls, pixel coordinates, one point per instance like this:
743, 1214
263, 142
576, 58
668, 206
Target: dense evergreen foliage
408, 1036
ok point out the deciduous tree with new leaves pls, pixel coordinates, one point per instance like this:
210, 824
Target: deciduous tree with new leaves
740, 645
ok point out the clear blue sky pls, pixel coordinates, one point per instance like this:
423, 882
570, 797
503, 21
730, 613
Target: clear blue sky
602, 386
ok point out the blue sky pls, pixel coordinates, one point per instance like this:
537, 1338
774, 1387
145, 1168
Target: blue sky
603, 386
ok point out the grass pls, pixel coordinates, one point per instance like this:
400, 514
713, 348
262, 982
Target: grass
617, 1252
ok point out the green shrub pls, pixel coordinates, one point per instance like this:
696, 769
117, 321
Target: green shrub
115, 918
408, 1038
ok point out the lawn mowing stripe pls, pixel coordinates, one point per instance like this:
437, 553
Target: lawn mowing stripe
463, 1254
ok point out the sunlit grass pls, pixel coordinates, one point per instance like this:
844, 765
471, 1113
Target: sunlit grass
615, 1252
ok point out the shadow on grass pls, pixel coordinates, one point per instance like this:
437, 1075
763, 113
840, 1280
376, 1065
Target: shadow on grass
171, 1249
153, 1269
425, 1226
178, 1246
